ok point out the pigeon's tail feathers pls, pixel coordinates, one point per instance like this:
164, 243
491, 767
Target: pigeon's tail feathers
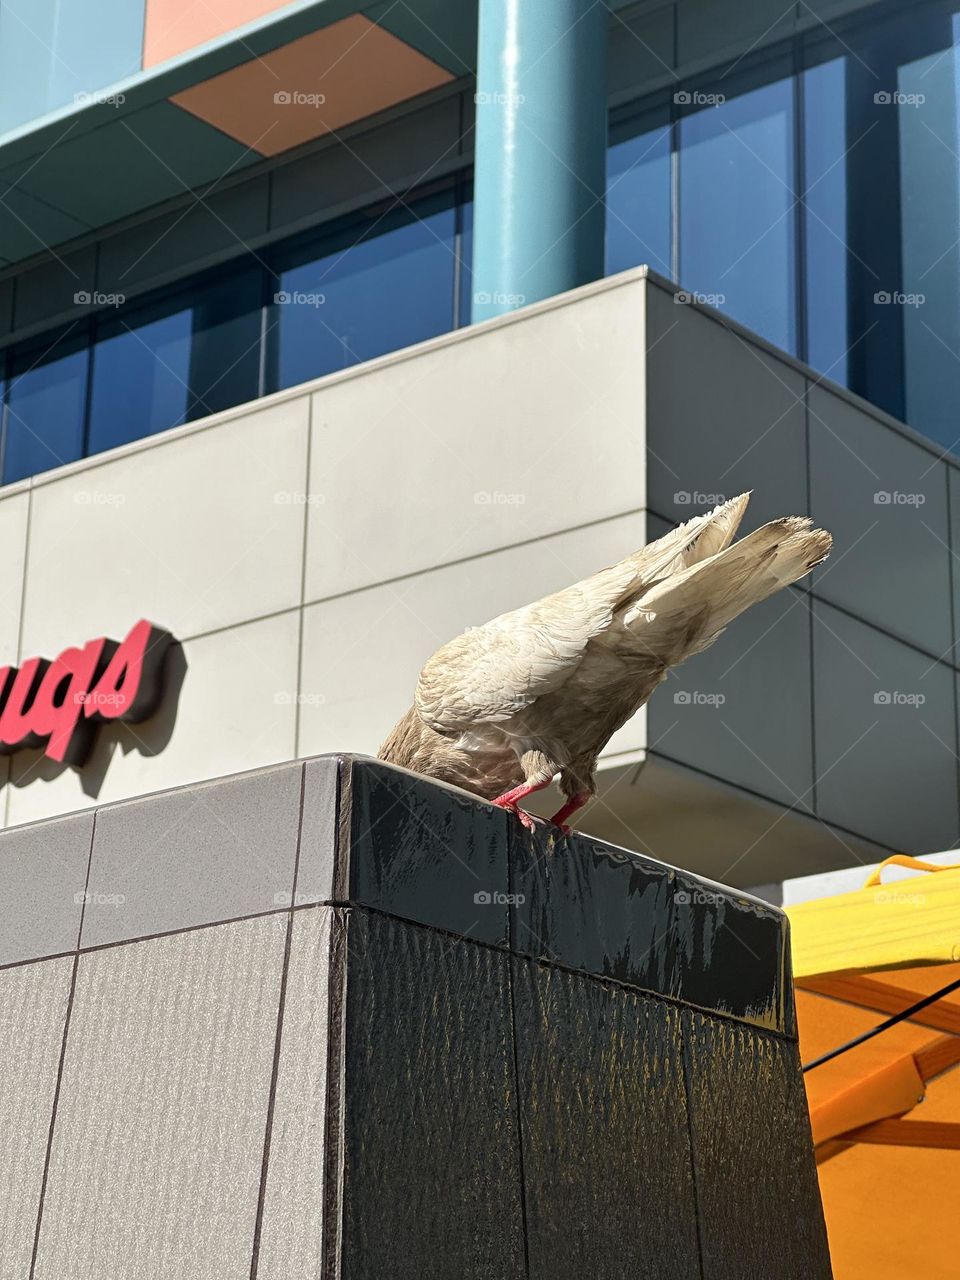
692, 541
684, 614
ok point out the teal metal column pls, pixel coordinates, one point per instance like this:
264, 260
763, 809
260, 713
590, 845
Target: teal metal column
540, 151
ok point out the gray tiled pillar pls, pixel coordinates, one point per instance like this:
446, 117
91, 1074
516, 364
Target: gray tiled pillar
334, 1020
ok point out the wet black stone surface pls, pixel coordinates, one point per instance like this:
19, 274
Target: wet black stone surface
434, 855
550, 1058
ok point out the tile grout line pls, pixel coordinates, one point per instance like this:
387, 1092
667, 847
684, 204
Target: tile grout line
28, 525
302, 611
811, 620
62, 1060
511, 996
277, 1044
334, 1107
951, 529
347, 905
685, 1064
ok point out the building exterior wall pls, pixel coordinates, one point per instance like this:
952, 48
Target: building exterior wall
310, 551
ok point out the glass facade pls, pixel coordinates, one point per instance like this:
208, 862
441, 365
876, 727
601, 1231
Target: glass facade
348, 297
815, 198
811, 192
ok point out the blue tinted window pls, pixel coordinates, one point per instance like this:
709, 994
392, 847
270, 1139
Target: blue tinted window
192, 354
825, 217
929, 247
344, 300
225, 353
139, 380
45, 408
465, 301
638, 198
737, 225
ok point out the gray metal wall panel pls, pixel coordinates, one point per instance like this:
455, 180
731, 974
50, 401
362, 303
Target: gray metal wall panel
195, 855
291, 1235
33, 1008
43, 872
884, 499
158, 1142
723, 416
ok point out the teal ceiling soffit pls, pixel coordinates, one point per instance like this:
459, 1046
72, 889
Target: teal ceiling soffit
86, 166
443, 31
168, 78
146, 157
29, 226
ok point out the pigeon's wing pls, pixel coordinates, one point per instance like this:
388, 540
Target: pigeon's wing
491, 673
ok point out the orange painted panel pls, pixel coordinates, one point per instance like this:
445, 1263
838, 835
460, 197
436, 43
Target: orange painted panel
313, 86
890, 1210
174, 26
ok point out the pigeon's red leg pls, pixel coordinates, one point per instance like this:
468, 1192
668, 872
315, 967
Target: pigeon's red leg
575, 802
510, 800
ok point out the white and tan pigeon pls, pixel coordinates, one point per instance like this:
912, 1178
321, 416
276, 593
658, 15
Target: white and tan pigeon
503, 708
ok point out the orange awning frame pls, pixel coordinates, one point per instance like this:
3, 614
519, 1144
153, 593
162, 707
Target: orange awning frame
838, 945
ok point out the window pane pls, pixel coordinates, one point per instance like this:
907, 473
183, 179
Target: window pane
45, 405
225, 356
351, 301
140, 370
930, 253
465, 301
736, 208
638, 198
825, 225
191, 354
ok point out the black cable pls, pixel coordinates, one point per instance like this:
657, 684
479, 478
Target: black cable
884, 1026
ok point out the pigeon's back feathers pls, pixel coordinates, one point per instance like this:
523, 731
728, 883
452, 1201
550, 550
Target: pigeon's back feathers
541, 689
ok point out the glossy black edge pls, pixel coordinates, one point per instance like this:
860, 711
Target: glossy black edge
571, 913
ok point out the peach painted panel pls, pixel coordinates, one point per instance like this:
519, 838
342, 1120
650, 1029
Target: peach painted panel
174, 26
312, 86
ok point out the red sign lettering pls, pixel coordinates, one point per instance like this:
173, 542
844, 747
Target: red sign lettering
58, 705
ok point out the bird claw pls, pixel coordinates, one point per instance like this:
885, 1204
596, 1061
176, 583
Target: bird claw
526, 818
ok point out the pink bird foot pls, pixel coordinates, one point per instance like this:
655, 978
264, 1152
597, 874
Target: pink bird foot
575, 802
510, 801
